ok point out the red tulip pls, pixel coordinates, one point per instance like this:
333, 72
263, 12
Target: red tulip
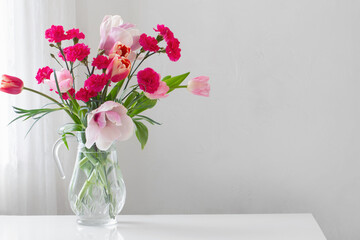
11, 85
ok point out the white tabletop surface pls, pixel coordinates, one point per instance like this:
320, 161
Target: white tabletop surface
166, 227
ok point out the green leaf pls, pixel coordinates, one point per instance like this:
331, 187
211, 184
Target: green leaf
174, 82
129, 100
142, 117
141, 133
114, 91
71, 127
142, 105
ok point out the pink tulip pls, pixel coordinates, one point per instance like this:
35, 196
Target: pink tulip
113, 29
161, 92
64, 79
11, 85
118, 69
107, 124
199, 86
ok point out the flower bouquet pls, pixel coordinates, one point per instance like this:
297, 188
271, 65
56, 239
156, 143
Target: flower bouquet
106, 107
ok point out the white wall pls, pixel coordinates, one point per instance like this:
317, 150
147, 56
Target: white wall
281, 130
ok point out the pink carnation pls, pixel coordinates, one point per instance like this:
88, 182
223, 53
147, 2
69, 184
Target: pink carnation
100, 62
55, 34
84, 95
165, 32
148, 43
148, 80
74, 33
43, 73
77, 52
95, 83
173, 50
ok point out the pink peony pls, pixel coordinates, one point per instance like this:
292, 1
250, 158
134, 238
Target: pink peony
148, 80
43, 73
64, 79
161, 92
77, 52
55, 34
120, 50
113, 29
173, 50
148, 43
118, 69
107, 124
165, 32
74, 33
100, 62
95, 83
199, 86
11, 85
84, 94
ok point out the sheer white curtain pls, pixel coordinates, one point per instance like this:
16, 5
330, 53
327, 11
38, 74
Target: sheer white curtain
29, 182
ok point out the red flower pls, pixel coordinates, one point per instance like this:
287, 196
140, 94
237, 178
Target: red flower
165, 32
148, 80
101, 62
148, 43
77, 52
55, 34
11, 85
84, 95
43, 73
173, 50
118, 69
95, 83
74, 33
65, 95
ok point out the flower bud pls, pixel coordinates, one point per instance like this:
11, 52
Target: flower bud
11, 85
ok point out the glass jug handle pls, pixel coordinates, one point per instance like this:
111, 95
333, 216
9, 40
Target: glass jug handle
55, 151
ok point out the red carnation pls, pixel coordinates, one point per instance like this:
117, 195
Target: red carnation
65, 95
84, 95
74, 33
173, 50
43, 73
95, 83
100, 62
148, 80
148, 43
77, 52
55, 34
165, 32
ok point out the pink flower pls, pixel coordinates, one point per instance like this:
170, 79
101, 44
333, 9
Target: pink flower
65, 96
107, 124
148, 80
84, 95
173, 50
64, 79
43, 73
95, 83
74, 33
199, 86
118, 69
165, 32
161, 92
100, 62
11, 85
113, 29
78, 51
55, 34
119, 49
148, 43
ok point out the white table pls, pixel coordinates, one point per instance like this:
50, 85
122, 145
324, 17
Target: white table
166, 227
